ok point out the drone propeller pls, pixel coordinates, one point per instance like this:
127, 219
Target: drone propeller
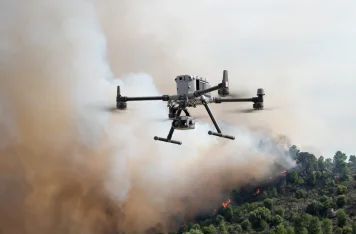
168, 119
238, 94
107, 108
252, 110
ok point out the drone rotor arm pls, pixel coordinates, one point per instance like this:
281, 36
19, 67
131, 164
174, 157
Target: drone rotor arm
148, 98
221, 100
121, 100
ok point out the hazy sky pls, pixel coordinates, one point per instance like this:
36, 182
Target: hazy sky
303, 49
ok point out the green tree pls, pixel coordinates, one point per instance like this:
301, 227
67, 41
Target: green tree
280, 229
338, 230
326, 203
234, 228
312, 179
259, 216
246, 225
341, 201
290, 230
347, 230
300, 180
327, 226
314, 226
183, 229
268, 203
341, 218
354, 176
209, 229
329, 165
293, 151
321, 163
274, 192
194, 231
341, 166
222, 228
228, 213
302, 223
292, 177
195, 226
352, 159
276, 220
314, 208
279, 210
300, 193
354, 228
341, 189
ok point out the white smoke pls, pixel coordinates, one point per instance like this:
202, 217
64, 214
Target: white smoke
69, 152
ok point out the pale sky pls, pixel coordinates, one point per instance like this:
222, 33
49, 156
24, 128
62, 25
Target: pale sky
302, 52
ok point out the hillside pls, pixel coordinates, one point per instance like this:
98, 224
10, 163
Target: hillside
316, 196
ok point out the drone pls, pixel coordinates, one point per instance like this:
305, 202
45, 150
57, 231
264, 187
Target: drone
192, 91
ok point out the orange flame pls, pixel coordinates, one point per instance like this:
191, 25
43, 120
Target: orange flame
225, 204
284, 171
258, 191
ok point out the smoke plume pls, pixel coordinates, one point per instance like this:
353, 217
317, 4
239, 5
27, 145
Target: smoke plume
69, 166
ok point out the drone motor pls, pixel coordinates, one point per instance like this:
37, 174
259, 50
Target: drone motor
258, 105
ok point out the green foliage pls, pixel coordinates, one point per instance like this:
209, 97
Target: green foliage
341, 218
302, 223
300, 193
246, 225
268, 203
279, 210
276, 220
354, 228
300, 180
314, 208
194, 231
341, 201
209, 229
318, 184
314, 226
280, 229
326, 201
234, 228
341, 189
321, 163
292, 177
312, 179
340, 166
274, 192
338, 230
259, 218
222, 228
228, 213
290, 230
347, 230
354, 176
352, 159
326, 226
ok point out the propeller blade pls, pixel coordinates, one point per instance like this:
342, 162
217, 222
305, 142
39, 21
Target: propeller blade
238, 94
166, 119
107, 108
251, 110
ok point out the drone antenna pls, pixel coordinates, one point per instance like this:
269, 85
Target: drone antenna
224, 90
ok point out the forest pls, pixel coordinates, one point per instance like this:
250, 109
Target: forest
316, 196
